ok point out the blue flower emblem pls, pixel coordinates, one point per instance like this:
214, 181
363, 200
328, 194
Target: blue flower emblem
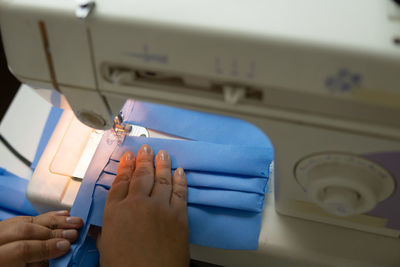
343, 81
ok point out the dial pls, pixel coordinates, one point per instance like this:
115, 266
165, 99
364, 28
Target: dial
344, 184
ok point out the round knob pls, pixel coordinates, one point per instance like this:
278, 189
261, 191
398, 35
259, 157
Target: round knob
344, 184
340, 201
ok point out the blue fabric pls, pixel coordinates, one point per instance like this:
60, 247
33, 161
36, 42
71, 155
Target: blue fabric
88, 255
209, 225
7, 214
51, 123
216, 158
223, 228
196, 125
213, 196
209, 180
12, 198
227, 165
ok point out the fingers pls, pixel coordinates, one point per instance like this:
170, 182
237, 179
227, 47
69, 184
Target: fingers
29, 251
55, 220
179, 189
29, 219
52, 220
143, 180
30, 231
120, 186
26, 239
162, 181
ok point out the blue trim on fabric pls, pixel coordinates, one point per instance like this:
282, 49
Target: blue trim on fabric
51, 123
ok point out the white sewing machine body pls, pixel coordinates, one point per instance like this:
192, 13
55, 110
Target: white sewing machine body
320, 78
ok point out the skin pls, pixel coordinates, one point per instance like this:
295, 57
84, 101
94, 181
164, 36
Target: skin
145, 217
32, 241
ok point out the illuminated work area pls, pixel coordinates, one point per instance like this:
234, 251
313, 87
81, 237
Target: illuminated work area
284, 115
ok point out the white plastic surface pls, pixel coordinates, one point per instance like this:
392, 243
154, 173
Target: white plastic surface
51, 186
22, 127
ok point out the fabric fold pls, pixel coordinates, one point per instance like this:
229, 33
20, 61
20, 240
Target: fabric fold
206, 180
217, 158
215, 197
209, 226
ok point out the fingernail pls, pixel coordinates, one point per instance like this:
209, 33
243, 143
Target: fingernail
128, 156
162, 155
180, 171
74, 220
63, 245
146, 149
69, 234
62, 212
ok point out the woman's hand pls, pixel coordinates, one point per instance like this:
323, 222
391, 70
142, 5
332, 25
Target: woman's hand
145, 218
31, 241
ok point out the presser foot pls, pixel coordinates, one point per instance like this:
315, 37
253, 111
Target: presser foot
122, 129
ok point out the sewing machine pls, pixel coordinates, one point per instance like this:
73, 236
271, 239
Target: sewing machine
320, 78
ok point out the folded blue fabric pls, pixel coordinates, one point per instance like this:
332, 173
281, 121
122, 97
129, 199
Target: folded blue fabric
209, 225
212, 196
227, 165
203, 156
205, 179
